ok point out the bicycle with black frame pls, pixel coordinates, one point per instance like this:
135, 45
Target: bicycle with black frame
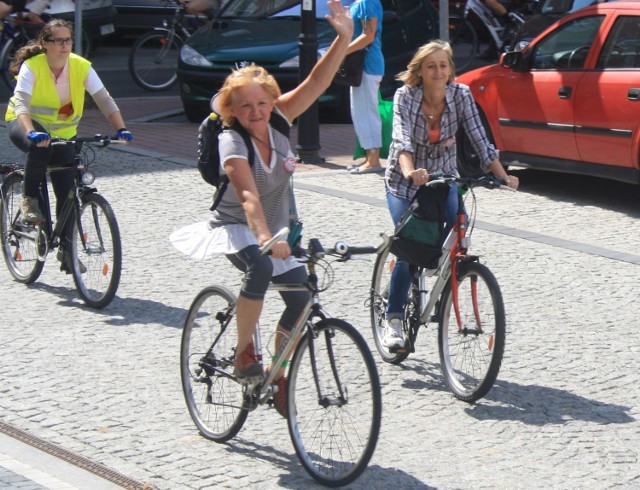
87, 226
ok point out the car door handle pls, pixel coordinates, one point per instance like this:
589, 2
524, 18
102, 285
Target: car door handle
633, 94
564, 92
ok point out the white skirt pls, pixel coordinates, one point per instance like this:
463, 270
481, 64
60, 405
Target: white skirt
201, 242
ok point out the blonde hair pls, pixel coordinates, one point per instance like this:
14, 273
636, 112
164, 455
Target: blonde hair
411, 76
241, 78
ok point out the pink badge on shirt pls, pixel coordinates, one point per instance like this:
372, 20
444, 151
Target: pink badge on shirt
290, 164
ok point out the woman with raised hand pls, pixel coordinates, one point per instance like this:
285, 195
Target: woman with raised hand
260, 203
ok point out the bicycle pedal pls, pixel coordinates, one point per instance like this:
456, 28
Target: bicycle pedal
398, 350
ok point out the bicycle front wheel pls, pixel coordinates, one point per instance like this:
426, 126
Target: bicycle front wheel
96, 252
464, 41
471, 344
19, 241
207, 353
334, 403
379, 294
153, 60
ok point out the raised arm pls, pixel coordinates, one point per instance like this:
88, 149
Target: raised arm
295, 102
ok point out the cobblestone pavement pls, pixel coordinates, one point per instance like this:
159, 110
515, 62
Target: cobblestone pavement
563, 413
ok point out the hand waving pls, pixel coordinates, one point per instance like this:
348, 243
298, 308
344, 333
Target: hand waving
340, 19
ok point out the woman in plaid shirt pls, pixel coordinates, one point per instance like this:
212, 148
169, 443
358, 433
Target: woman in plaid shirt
427, 112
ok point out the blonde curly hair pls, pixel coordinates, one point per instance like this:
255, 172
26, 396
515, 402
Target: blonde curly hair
241, 78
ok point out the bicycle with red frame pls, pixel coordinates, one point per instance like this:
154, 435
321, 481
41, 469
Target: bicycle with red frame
465, 301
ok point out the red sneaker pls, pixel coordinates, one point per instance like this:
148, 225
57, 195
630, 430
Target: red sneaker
247, 364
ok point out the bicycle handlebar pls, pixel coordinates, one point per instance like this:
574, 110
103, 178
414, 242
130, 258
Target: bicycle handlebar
280, 235
486, 181
316, 250
98, 139
344, 250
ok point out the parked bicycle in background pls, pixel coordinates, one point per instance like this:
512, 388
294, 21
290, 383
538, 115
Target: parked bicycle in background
15, 32
153, 59
476, 31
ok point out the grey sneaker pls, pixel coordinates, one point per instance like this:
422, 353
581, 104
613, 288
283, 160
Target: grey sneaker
30, 211
393, 334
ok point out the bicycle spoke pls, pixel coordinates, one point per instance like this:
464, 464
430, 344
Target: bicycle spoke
334, 403
213, 396
472, 330
96, 252
19, 245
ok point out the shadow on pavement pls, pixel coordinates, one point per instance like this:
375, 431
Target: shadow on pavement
581, 190
123, 311
374, 476
541, 405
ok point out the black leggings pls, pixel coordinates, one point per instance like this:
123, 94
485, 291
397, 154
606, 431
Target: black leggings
38, 159
258, 272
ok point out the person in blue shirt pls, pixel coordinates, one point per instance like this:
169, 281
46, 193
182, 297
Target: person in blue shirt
367, 20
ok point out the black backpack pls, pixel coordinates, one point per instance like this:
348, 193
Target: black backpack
418, 235
209, 157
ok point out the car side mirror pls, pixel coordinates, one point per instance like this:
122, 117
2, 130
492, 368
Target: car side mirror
511, 59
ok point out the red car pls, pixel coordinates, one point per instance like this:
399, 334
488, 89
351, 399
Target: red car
570, 101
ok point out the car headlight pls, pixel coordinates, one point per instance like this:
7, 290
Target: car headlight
295, 61
191, 57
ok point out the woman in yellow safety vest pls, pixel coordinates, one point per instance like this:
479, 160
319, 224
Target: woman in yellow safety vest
48, 101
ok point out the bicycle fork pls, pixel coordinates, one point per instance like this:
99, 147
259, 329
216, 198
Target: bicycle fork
456, 261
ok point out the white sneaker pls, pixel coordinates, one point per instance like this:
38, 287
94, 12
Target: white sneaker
393, 334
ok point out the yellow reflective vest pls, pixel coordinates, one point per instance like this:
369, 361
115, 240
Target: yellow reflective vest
45, 102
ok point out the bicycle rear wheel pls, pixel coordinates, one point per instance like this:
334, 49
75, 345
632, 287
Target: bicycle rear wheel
464, 41
385, 263
471, 355
19, 244
153, 60
207, 352
96, 252
334, 403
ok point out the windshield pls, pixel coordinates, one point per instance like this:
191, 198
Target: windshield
566, 6
253, 8
322, 9
275, 8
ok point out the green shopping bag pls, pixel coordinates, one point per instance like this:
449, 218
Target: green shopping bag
385, 108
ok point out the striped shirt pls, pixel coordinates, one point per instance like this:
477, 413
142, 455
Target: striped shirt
272, 181
411, 134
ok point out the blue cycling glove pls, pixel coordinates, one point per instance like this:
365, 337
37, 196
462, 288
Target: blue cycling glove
37, 137
124, 134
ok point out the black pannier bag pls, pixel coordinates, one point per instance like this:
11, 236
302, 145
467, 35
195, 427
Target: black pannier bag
418, 235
